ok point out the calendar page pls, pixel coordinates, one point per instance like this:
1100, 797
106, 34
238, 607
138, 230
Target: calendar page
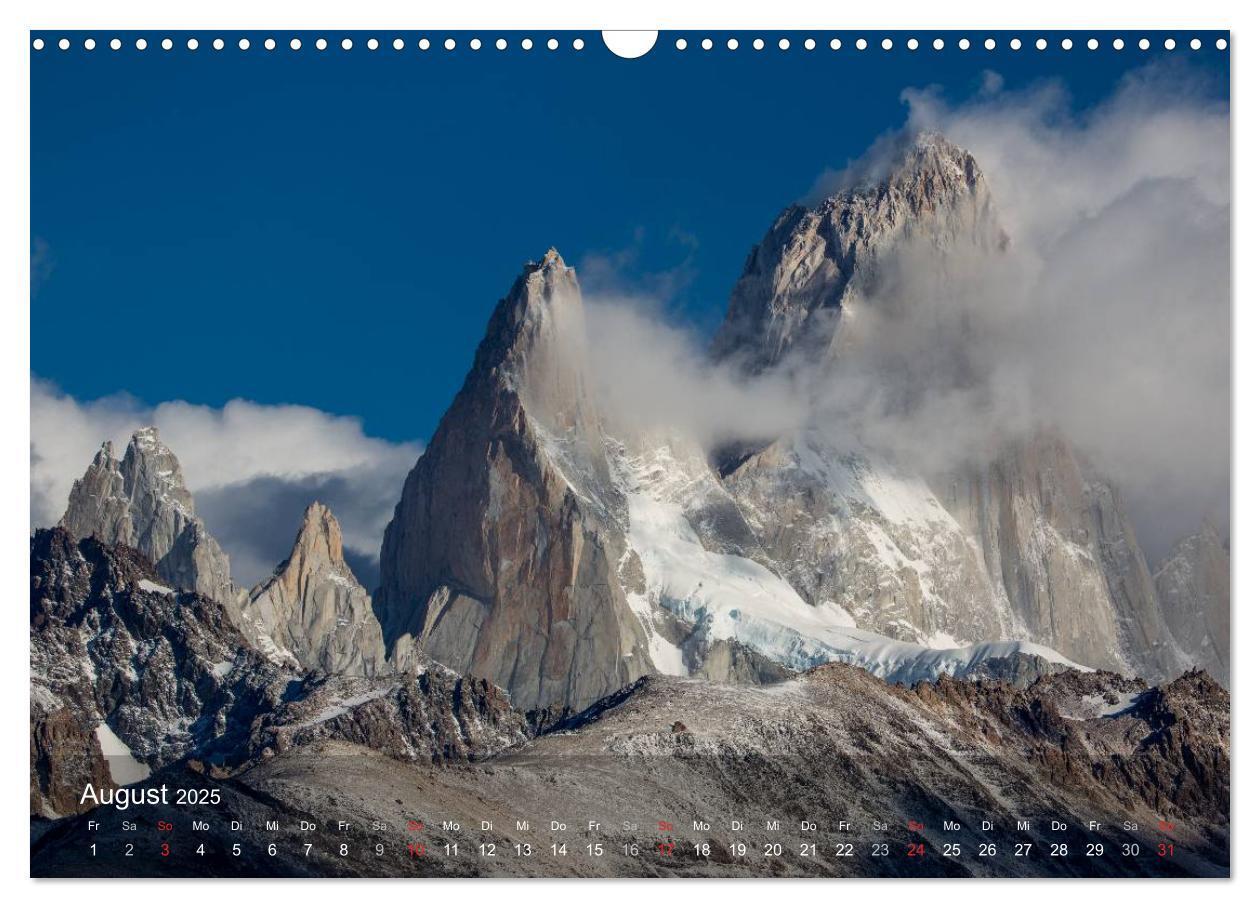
683, 454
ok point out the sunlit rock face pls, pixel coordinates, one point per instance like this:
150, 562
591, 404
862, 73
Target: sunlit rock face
313, 606
501, 559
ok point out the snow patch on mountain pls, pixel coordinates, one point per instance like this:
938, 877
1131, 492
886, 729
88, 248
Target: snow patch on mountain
727, 596
124, 768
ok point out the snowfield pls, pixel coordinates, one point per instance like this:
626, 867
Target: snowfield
735, 598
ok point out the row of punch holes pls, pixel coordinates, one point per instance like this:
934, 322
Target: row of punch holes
578, 44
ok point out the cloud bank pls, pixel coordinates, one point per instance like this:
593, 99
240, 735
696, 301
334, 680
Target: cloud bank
252, 469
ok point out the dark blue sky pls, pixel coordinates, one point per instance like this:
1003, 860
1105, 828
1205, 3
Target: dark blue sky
333, 228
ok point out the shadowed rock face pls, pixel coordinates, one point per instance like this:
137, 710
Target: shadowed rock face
1193, 586
315, 608
141, 502
501, 559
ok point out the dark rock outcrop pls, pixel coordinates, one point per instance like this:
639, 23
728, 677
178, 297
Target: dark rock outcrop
163, 675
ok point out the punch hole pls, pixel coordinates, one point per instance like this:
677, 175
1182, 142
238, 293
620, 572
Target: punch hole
629, 45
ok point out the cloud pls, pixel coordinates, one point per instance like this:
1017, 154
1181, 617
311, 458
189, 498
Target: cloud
252, 468
653, 375
41, 263
622, 274
1108, 316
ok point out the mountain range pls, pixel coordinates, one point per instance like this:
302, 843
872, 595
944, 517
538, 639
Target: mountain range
547, 558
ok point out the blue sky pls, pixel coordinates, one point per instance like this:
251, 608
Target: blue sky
333, 229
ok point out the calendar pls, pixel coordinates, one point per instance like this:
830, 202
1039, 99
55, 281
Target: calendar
578, 454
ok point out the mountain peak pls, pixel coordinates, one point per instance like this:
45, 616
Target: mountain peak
916, 187
141, 501
313, 606
536, 338
319, 538
924, 168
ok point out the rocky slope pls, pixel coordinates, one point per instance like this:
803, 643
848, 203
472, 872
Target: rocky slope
141, 502
314, 608
835, 744
501, 558
120, 660
129, 676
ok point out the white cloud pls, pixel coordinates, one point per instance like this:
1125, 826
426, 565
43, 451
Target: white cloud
232, 457
654, 375
1109, 317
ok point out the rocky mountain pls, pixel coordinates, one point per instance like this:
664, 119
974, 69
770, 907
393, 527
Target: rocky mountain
141, 502
502, 557
848, 528
314, 608
129, 676
833, 745
535, 549
576, 619
1033, 545
1193, 586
